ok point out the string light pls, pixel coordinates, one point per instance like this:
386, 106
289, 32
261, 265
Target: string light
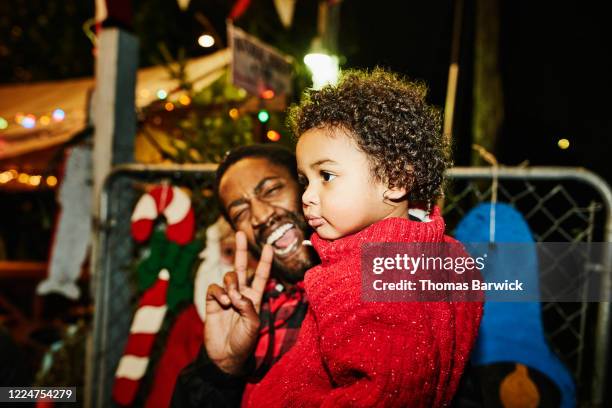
58, 115
162, 94
28, 121
563, 144
51, 181
5, 177
23, 178
234, 113
169, 106
267, 94
34, 180
263, 116
273, 135
206, 40
184, 99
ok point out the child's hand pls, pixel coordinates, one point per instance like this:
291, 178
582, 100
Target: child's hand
232, 312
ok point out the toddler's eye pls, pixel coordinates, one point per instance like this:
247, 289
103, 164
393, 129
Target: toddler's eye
327, 176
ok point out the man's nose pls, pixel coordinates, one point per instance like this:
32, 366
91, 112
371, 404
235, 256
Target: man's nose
310, 196
261, 212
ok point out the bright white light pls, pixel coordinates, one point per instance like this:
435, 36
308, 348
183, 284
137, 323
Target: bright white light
324, 69
28, 122
206, 41
58, 115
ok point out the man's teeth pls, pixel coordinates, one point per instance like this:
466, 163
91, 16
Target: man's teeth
286, 250
279, 232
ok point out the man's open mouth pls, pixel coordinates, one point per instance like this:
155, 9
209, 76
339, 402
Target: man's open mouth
284, 239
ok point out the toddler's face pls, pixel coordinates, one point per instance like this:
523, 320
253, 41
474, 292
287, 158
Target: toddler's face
340, 195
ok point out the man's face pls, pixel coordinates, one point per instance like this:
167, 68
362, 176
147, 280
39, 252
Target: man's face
263, 200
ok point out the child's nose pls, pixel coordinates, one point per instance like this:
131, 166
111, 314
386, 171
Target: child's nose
310, 197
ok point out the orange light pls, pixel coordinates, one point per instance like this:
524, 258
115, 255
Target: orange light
23, 178
267, 94
273, 135
45, 120
185, 100
51, 181
234, 113
35, 180
169, 106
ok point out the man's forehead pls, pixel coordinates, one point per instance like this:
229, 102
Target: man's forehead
247, 174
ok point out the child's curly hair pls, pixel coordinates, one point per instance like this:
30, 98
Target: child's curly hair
390, 121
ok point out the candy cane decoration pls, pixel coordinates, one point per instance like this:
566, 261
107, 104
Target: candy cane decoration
145, 326
171, 202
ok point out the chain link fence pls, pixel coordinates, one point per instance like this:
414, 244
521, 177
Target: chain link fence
559, 204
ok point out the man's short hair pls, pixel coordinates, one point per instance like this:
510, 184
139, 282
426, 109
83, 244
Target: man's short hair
275, 154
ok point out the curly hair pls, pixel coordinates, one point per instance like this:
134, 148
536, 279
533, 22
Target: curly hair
391, 123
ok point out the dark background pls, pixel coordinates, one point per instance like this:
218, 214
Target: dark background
554, 62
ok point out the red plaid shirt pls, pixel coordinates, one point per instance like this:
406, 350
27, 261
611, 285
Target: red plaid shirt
282, 313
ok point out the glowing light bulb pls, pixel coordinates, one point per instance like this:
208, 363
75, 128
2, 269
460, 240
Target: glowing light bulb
23, 178
273, 135
563, 144
3, 123
169, 106
184, 99
324, 69
51, 181
234, 113
34, 180
28, 121
58, 115
44, 120
263, 116
162, 94
206, 41
267, 94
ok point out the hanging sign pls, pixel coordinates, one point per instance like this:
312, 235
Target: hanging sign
256, 66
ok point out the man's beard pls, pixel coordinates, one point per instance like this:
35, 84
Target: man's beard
294, 269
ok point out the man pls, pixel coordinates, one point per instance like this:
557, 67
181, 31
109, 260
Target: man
260, 197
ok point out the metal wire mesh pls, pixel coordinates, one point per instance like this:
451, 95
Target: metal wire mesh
559, 205
557, 209
115, 289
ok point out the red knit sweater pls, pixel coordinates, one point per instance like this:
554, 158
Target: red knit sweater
350, 353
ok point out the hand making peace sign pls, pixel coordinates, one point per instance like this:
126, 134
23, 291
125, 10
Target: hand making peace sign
232, 312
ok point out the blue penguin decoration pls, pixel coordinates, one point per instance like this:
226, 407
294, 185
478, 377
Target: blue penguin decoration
512, 332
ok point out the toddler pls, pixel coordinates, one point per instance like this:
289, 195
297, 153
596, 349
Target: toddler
367, 150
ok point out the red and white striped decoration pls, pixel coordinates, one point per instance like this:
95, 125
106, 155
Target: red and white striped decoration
147, 322
171, 202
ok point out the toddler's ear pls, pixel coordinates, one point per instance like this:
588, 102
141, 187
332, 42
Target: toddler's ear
395, 193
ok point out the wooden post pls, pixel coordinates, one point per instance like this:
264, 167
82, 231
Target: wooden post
114, 118
114, 102
488, 93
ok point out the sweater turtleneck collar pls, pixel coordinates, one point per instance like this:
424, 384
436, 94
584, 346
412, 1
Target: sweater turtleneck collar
387, 230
